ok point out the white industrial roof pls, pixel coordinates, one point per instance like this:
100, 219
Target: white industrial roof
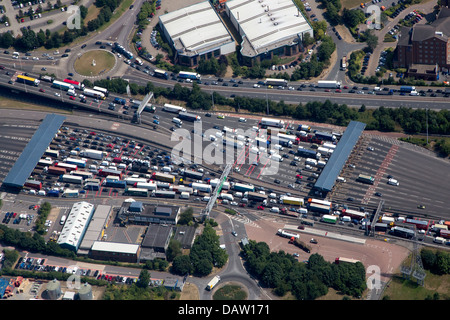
115, 247
195, 28
268, 24
76, 222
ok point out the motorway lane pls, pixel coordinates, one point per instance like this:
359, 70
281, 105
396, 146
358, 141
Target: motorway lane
295, 97
288, 96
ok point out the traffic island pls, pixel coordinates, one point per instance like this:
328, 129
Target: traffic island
94, 63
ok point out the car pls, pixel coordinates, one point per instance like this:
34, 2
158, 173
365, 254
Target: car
378, 194
370, 148
260, 208
421, 206
313, 241
350, 199
70, 74
72, 98
220, 116
83, 46
57, 94
41, 90
208, 115
155, 121
277, 181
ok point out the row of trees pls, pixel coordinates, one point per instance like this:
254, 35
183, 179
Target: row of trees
32, 242
384, 119
283, 273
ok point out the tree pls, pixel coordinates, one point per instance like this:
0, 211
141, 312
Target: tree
187, 216
144, 279
182, 265
326, 49
173, 250
352, 18
371, 40
307, 40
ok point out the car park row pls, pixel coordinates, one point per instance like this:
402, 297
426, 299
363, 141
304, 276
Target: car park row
39, 264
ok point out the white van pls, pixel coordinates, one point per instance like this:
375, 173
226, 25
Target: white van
303, 211
393, 182
275, 209
346, 219
439, 240
177, 121
206, 199
71, 92
166, 169
341, 179
41, 193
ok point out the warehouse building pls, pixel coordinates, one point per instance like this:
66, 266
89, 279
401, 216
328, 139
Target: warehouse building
76, 225
114, 251
156, 242
196, 32
96, 228
268, 28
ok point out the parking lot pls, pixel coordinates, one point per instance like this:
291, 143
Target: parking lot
139, 159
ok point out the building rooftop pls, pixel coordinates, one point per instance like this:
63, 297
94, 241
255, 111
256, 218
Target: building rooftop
267, 24
76, 224
329, 174
34, 150
195, 29
96, 226
115, 247
156, 236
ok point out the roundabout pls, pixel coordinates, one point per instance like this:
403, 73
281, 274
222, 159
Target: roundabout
94, 63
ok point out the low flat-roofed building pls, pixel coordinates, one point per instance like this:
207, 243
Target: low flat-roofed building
150, 213
196, 32
268, 27
157, 237
115, 251
423, 71
96, 229
185, 235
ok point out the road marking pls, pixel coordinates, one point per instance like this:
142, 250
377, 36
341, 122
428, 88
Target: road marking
115, 126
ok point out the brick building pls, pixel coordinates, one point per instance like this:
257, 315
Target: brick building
426, 47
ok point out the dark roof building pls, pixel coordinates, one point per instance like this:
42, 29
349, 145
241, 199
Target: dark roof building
425, 44
33, 152
338, 158
147, 213
156, 242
